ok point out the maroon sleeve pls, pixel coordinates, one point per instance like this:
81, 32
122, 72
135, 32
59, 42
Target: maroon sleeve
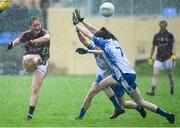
23, 37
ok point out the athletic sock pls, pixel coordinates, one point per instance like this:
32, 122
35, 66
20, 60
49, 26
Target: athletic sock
172, 90
141, 110
82, 113
162, 112
153, 89
31, 110
115, 103
138, 108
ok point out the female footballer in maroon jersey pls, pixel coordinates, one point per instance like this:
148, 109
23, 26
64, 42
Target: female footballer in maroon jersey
36, 42
165, 57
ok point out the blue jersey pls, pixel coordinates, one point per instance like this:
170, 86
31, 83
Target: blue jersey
114, 56
103, 69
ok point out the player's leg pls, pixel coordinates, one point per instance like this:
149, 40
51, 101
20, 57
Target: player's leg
88, 98
118, 108
92, 93
171, 80
119, 92
105, 83
87, 101
132, 105
156, 72
136, 96
169, 64
132, 89
30, 62
37, 80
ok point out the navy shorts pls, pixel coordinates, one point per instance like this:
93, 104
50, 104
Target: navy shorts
130, 79
118, 90
98, 78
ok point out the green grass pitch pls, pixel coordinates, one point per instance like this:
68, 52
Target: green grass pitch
61, 98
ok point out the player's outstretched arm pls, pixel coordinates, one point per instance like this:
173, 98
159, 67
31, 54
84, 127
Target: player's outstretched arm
84, 31
86, 51
43, 39
82, 39
14, 43
99, 52
90, 27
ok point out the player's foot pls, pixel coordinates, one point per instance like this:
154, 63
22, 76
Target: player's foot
29, 117
117, 113
78, 118
171, 118
150, 93
142, 112
172, 91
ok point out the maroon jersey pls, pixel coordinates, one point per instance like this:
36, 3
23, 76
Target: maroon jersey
164, 41
40, 48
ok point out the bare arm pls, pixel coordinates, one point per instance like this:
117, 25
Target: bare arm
84, 31
42, 39
152, 51
174, 48
99, 52
91, 28
16, 42
83, 39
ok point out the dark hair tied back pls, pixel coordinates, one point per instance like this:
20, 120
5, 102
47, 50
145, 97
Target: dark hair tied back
105, 34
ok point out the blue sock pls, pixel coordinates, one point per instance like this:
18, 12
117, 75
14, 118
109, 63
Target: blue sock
82, 113
162, 112
115, 102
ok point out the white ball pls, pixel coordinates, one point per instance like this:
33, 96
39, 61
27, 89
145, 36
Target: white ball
107, 9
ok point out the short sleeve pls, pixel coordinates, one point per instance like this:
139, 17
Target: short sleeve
91, 46
100, 42
23, 37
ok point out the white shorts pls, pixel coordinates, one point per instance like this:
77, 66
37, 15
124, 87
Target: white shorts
43, 68
168, 64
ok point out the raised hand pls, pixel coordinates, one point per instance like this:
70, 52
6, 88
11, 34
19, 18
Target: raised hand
74, 19
78, 15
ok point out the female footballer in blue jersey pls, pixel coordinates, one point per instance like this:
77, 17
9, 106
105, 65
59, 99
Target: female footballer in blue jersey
124, 73
103, 70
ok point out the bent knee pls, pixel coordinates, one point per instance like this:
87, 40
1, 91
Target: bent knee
29, 65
